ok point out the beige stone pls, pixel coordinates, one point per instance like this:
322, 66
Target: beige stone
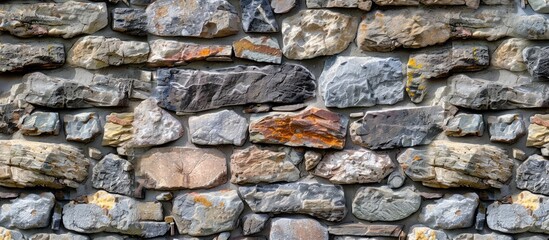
95, 52
168, 53
538, 131
508, 55
118, 129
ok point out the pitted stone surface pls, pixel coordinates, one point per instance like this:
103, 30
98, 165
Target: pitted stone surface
533, 175
30, 56
453, 211
527, 212
26, 212
385, 204
536, 61
223, 127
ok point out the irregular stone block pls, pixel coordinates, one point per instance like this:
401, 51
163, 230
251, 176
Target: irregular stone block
539, 6
130, 21
265, 165
95, 52
313, 33
254, 223
141, 2
385, 204
445, 164
65, 20
258, 16
201, 214
24, 57
113, 174
259, 49
181, 168
314, 127
361, 81
361, 4
397, 2
36, 164
223, 127
475, 236
419, 232
538, 131
118, 129
533, 175
52, 236
282, 6
354, 166
536, 61
367, 230
506, 128
453, 211
312, 159
168, 53
10, 115
403, 127
82, 127
465, 124
325, 201
153, 125
194, 18
527, 212
508, 55
40, 123
186, 90
11, 234
297, 228
27, 212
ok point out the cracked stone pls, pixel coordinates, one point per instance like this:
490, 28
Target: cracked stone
95, 52
113, 174
385, 204
223, 127
258, 16
32, 56
82, 127
40, 123
536, 61
533, 175
506, 128
259, 49
130, 21
10, 115
464, 124
168, 53
118, 129
312, 159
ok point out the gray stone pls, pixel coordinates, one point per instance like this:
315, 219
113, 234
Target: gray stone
527, 212
24, 57
153, 125
361, 82
194, 18
419, 232
11, 234
475, 236
508, 55
282, 6
289, 108
385, 204
258, 16
254, 223
82, 127
519, 154
259, 49
52, 236
533, 175
10, 115
453, 211
537, 61
141, 2
325, 201
26, 212
401, 127
539, 6
480, 219
312, 159
386, 232
464, 124
223, 127
113, 174
165, 196
361, 4
354, 166
506, 128
130, 21
396, 179
168, 53
297, 228
202, 214
40, 123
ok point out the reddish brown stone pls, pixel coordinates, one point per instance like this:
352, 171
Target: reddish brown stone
260, 49
167, 53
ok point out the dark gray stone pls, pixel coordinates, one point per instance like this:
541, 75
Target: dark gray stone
26, 212
258, 16
533, 175
114, 174
82, 127
40, 123
24, 57
506, 128
480, 219
367, 230
10, 115
131, 21
385, 204
141, 2
254, 223
537, 61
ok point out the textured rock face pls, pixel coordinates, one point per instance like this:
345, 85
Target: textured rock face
536, 61
201, 214
422, 233
465, 124
361, 4
180, 168
361, 82
31, 211
113, 174
453, 211
258, 16
11, 234
533, 175
385, 204
51, 236
40, 123
508, 55
82, 127
95, 52
35, 164
10, 115
313, 33
265, 165
324, 201
254, 223
404, 127
297, 228
65, 20
539, 6
506, 128
527, 212
131, 21
153, 125
312, 159
168, 53
118, 129
474, 236
24, 57
282, 6
538, 131
259, 49
195, 90
354, 166
367, 230
446, 164
194, 18
223, 127
314, 127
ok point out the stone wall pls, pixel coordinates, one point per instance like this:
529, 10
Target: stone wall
282, 119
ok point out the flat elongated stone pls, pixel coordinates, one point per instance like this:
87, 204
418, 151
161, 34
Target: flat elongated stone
354, 166
254, 223
52, 236
201, 214
361, 4
40, 123
65, 20
404, 127
385, 204
464, 124
325, 201
445, 164
265, 165
35, 164
396, 2
131, 21
24, 57
194, 18
153, 125
313, 127
314, 33
453, 211
95, 52
196, 90
259, 49
118, 129
361, 81
366, 230
508, 55
536, 61
223, 127
506, 128
168, 53
297, 228
527, 212
282, 6
10, 115
181, 168
258, 16
419, 232
82, 127
26, 212
475, 236
113, 174
533, 175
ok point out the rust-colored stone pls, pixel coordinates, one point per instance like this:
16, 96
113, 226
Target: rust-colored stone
167, 53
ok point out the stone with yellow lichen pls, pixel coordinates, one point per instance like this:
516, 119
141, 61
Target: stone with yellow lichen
419, 232
527, 212
7, 234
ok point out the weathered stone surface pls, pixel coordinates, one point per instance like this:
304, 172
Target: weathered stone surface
312, 159
526, 212
82, 127
259, 49
118, 129
258, 16
297, 228
367, 230
52, 236
201, 214
402, 127
153, 125
464, 124
131, 21
253, 223
475, 236
506, 128
361, 4
419, 232
26, 212
265, 165
95, 52
538, 131
396, 179
354, 166
65, 20
313, 127
104, 212
23, 57
223, 127
314, 33
10, 115
11, 234
539, 6
282, 6
445, 164
453, 211
180, 167
194, 18
536, 61
165, 196
361, 81
185, 90
508, 55
385, 204
440, 62
113, 174
396, 2
533, 175
36, 164
141, 2
40, 123
168, 53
